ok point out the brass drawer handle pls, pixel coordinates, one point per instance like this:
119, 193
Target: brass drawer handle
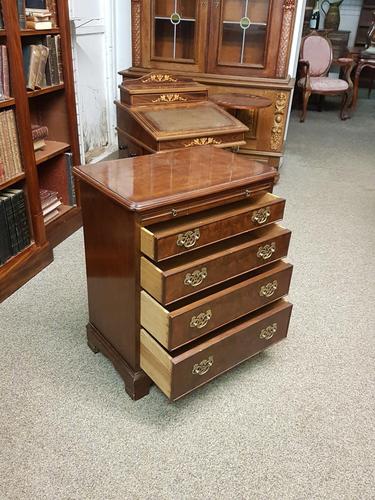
266, 252
269, 332
269, 289
261, 216
188, 239
196, 277
201, 320
203, 367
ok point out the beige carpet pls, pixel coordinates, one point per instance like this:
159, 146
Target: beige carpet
297, 422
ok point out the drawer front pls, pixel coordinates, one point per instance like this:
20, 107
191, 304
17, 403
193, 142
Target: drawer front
172, 284
162, 241
176, 327
192, 368
219, 140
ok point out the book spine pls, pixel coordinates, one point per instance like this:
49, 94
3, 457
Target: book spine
43, 55
21, 14
14, 142
70, 177
2, 146
5, 71
11, 225
53, 61
59, 58
5, 144
21, 219
5, 245
40, 133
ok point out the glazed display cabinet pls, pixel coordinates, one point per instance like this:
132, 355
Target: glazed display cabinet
231, 45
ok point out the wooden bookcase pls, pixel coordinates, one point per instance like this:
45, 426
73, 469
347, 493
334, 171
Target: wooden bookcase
54, 107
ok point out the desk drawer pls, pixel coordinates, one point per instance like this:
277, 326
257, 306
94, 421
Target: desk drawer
188, 274
168, 239
188, 369
176, 326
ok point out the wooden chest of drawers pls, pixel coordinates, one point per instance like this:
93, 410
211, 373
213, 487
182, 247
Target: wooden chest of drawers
184, 270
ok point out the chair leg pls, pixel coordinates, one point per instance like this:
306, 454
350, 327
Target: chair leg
346, 100
305, 100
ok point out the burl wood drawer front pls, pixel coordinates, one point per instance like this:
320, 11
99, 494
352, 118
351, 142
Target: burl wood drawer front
188, 274
176, 326
161, 241
190, 368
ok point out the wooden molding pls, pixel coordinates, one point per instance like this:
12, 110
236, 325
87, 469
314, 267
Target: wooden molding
136, 33
277, 131
285, 38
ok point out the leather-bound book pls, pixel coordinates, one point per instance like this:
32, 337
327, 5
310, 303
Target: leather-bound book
59, 58
20, 216
5, 245
15, 248
41, 75
4, 71
21, 13
31, 57
14, 144
52, 64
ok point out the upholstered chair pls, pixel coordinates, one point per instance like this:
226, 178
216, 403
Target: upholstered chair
315, 62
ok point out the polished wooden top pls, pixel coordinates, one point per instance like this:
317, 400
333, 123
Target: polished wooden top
162, 81
161, 179
241, 101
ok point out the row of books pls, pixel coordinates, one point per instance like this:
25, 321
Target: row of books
37, 14
14, 224
43, 63
50, 202
10, 157
4, 72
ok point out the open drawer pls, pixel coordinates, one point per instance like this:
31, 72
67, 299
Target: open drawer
179, 324
185, 275
187, 369
167, 239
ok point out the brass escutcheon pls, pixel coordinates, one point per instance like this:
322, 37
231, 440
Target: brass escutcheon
269, 289
261, 216
203, 367
188, 239
266, 251
269, 332
196, 277
201, 320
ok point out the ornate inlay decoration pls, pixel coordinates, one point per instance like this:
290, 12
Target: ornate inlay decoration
203, 367
261, 216
288, 14
278, 121
188, 239
170, 98
269, 289
136, 33
201, 320
266, 251
196, 277
159, 78
203, 141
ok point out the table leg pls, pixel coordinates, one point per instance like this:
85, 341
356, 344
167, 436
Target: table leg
356, 86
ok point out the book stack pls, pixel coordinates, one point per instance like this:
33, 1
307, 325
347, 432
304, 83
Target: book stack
4, 72
42, 63
50, 204
38, 19
10, 158
40, 134
14, 225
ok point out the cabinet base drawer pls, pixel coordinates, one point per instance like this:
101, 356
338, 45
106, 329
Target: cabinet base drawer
190, 368
175, 326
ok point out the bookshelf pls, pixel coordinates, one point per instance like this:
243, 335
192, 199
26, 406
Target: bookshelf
54, 107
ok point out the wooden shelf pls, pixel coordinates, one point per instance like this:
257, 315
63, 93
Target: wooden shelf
64, 224
51, 149
13, 180
52, 31
45, 90
7, 103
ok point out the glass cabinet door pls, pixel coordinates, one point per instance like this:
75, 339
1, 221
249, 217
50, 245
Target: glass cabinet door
244, 26
246, 36
176, 31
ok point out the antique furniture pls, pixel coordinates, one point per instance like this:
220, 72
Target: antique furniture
184, 270
241, 104
160, 112
230, 45
332, 14
52, 106
365, 59
315, 62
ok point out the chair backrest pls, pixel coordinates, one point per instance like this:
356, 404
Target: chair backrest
318, 51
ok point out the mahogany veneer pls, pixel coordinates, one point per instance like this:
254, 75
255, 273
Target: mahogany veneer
224, 278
